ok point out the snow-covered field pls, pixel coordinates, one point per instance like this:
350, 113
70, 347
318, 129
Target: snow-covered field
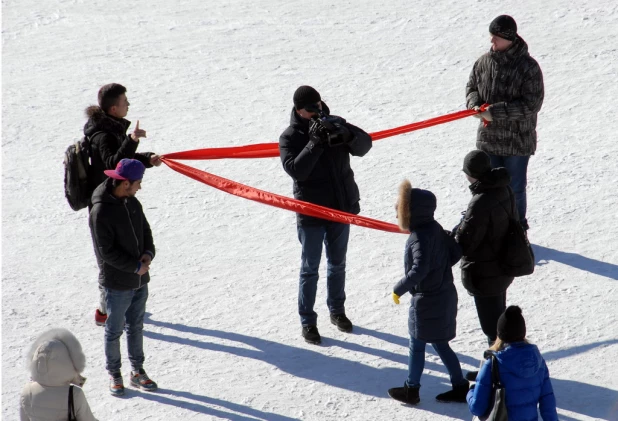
222, 337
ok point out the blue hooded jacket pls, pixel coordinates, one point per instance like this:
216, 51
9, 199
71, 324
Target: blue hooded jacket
525, 377
429, 256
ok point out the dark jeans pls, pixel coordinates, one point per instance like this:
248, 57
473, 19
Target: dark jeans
489, 310
517, 166
125, 310
417, 362
335, 237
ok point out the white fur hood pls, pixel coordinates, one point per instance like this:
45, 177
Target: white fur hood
56, 358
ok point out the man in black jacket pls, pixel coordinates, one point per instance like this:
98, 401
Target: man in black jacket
315, 151
106, 128
511, 82
124, 249
481, 235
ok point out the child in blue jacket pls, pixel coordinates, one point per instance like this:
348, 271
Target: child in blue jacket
523, 374
429, 256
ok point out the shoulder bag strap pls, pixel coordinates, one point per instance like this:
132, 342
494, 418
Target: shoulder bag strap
71, 416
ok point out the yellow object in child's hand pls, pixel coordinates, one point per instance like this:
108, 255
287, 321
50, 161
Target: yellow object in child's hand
395, 298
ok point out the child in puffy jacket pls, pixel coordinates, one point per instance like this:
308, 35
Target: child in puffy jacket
55, 361
429, 256
523, 373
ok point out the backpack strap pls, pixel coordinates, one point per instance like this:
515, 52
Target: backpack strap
71, 416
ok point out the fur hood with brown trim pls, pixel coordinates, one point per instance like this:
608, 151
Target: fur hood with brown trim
99, 121
414, 206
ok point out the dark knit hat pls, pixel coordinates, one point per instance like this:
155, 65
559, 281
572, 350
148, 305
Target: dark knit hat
504, 26
476, 163
305, 95
511, 325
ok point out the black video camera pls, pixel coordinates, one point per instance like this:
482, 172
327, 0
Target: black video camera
331, 130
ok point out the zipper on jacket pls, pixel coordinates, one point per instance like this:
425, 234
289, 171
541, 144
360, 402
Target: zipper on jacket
139, 285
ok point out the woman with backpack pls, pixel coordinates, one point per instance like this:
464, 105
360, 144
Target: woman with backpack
55, 361
429, 256
522, 372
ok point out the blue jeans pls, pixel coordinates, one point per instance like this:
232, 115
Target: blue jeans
335, 236
125, 310
517, 166
417, 362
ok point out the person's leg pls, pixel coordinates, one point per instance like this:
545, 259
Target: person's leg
134, 327
336, 241
517, 167
496, 161
417, 362
117, 303
102, 305
489, 310
451, 362
311, 239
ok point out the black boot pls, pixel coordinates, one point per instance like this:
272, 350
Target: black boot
342, 322
405, 394
311, 334
457, 394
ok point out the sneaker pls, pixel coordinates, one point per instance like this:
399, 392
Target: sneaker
100, 318
141, 380
311, 335
405, 394
457, 394
116, 386
342, 322
471, 375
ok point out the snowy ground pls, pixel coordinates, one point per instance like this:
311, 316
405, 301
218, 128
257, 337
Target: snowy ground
223, 335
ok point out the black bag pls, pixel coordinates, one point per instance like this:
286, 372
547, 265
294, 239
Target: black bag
72, 416
76, 169
516, 256
497, 412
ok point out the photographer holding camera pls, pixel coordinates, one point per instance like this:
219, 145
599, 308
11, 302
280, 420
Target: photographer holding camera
315, 151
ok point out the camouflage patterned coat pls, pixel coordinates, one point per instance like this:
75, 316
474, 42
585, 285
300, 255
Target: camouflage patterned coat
512, 82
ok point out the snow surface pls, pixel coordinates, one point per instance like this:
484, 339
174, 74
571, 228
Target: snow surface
222, 337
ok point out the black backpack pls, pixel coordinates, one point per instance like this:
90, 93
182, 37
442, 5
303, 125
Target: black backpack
516, 256
76, 169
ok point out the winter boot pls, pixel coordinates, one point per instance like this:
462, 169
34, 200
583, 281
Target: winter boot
405, 394
141, 380
342, 322
311, 335
116, 386
99, 318
471, 375
457, 394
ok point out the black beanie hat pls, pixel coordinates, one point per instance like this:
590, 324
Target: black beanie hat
511, 325
305, 95
476, 163
504, 26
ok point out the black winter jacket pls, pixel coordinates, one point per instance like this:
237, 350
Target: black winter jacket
322, 175
482, 233
429, 256
110, 145
121, 235
512, 82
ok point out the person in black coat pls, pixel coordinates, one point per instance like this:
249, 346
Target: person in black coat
107, 130
481, 235
315, 151
124, 248
429, 256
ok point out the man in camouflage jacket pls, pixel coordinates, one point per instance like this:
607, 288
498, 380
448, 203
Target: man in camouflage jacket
511, 82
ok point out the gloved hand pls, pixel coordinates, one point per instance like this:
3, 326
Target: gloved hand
395, 298
317, 134
346, 134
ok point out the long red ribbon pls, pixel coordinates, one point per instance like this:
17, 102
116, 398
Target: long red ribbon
261, 196
271, 150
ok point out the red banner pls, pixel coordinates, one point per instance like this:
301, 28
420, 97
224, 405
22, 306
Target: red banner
305, 208
271, 150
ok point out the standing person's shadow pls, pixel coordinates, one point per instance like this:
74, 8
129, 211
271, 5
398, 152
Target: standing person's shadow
598, 267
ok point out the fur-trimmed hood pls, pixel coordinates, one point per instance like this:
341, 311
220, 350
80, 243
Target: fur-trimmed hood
414, 206
56, 358
99, 121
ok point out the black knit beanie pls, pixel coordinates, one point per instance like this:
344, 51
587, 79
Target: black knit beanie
504, 26
476, 163
511, 325
305, 95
